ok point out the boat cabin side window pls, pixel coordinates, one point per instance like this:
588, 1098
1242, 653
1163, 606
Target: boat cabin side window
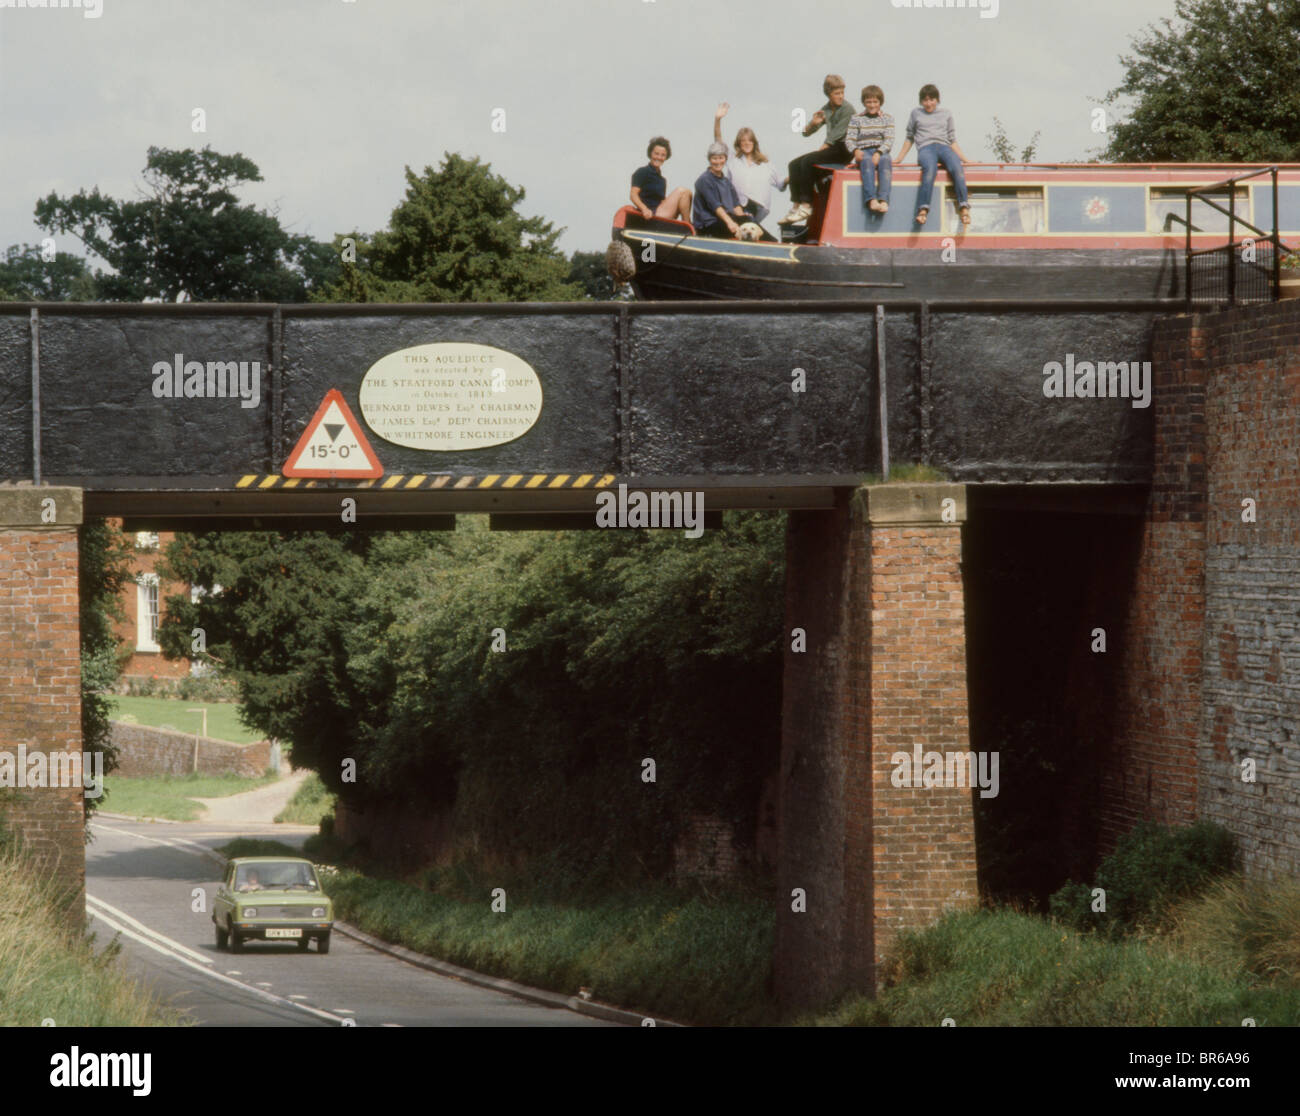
1168, 202
1000, 210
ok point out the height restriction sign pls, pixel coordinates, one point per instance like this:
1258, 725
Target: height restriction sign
333, 445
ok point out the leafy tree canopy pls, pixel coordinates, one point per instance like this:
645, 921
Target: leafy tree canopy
456, 237
26, 276
588, 270
1220, 86
190, 234
518, 678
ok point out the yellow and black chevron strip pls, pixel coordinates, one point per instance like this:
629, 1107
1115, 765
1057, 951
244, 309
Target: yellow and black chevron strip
405, 481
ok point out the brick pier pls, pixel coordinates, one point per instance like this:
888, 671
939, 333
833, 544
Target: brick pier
40, 671
875, 587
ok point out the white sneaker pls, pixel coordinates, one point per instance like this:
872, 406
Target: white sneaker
794, 214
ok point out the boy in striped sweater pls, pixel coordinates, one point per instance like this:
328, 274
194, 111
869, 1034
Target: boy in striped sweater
870, 137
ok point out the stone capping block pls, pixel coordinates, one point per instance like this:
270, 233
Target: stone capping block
20, 507
915, 504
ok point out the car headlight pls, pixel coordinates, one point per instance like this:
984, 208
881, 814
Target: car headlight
248, 912
318, 912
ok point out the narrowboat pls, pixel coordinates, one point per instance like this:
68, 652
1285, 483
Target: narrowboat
1041, 231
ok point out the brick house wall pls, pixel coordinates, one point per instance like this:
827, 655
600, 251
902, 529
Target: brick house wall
144, 661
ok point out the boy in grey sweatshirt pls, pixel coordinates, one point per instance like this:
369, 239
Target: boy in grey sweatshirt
931, 131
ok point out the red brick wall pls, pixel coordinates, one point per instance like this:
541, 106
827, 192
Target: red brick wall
1208, 674
1251, 688
40, 670
143, 750
876, 587
923, 838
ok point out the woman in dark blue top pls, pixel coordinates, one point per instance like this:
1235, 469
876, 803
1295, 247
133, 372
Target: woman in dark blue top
650, 191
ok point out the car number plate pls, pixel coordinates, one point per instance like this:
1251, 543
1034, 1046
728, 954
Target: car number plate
284, 933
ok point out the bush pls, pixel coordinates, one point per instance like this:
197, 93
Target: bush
1151, 867
207, 687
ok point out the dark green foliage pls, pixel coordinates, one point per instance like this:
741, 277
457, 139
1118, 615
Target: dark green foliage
105, 569
190, 234
1150, 868
276, 628
455, 237
26, 277
619, 646
587, 269
1220, 86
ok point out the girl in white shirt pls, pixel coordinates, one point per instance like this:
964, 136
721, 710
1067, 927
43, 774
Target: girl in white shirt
751, 172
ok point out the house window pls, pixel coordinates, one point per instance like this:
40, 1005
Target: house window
147, 614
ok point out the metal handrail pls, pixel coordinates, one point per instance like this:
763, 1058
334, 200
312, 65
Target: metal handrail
1230, 249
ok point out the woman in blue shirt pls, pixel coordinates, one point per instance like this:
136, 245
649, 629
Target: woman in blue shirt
649, 190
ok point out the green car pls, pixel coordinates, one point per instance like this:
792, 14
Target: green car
272, 898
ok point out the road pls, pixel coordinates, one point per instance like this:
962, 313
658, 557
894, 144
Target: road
140, 881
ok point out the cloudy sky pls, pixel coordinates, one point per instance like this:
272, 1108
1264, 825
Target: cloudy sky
332, 98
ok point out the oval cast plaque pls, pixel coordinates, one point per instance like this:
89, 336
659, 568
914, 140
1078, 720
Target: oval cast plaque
450, 396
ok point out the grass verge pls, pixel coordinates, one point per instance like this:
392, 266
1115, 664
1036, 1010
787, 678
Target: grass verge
309, 804
676, 953
658, 950
172, 796
1001, 968
46, 972
223, 717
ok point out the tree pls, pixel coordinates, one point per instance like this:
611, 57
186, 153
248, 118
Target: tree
1220, 87
275, 627
104, 570
27, 276
190, 234
587, 269
1003, 150
456, 237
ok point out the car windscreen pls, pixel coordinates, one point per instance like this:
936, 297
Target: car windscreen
280, 876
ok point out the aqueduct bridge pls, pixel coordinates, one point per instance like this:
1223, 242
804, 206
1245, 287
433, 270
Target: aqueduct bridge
113, 409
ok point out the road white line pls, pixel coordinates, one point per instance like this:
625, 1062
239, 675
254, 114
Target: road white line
172, 842
98, 904
176, 955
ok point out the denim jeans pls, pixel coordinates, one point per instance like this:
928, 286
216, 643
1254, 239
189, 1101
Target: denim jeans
930, 156
869, 174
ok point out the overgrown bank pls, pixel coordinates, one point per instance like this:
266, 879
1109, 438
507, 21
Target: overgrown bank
50, 972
